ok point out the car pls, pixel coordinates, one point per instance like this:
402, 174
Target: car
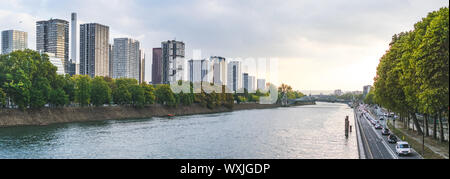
392, 139
374, 122
403, 148
378, 126
385, 131
381, 118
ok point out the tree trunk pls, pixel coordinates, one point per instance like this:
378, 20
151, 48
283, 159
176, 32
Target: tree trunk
441, 132
407, 123
405, 119
434, 127
417, 124
427, 131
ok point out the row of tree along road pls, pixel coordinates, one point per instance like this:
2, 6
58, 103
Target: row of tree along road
413, 76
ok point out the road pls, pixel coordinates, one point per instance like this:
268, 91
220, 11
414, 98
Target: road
376, 145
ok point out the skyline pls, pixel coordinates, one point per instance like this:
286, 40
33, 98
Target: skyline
297, 33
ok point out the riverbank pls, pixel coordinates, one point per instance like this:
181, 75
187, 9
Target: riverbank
47, 116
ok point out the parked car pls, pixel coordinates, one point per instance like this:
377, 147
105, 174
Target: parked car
378, 126
392, 139
381, 118
403, 148
385, 131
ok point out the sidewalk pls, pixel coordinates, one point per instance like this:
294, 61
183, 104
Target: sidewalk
432, 144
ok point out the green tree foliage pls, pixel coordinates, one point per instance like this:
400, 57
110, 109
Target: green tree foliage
370, 98
121, 91
100, 92
83, 90
2, 98
290, 93
186, 99
69, 87
149, 93
137, 95
40, 92
413, 75
165, 96
25, 76
58, 98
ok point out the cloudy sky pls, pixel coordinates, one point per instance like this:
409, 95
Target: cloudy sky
320, 45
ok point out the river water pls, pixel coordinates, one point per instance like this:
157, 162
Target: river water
303, 132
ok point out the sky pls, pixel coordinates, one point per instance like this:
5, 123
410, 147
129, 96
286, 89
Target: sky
319, 45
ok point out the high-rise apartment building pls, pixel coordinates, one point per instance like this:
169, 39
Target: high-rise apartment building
245, 81
142, 67
126, 59
200, 71
57, 62
234, 78
157, 67
366, 90
173, 62
52, 36
219, 70
13, 40
94, 49
251, 84
261, 84
73, 46
111, 56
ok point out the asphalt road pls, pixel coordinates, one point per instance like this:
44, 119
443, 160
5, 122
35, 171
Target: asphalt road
378, 146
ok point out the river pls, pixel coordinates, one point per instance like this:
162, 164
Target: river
303, 132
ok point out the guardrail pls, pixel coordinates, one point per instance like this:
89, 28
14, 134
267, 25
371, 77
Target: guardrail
363, 144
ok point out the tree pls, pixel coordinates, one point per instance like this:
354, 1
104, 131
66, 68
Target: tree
100, 92
15, 76
165, 96
186, 99
58, 98
2, 98
137, 95
370, 98
121, 93
40, 91
69, 86
149, 93
432, 64
412, 76
83, 90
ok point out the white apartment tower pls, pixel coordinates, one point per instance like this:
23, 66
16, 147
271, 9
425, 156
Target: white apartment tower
219, 70
126, 61
75, 68
234, 78
200, 71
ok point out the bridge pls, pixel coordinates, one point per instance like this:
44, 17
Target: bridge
317, 98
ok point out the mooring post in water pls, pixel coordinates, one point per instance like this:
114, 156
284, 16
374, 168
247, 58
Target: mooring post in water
347, 125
